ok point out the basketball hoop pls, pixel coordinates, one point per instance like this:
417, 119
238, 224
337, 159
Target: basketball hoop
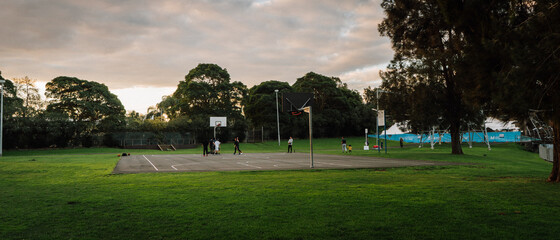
295, 113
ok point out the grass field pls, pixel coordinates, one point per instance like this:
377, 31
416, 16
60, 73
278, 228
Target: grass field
71, 194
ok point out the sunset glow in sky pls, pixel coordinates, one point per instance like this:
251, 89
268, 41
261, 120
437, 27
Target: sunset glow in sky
141, 49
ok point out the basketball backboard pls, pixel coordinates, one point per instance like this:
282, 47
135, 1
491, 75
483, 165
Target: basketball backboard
218, 121
292, 102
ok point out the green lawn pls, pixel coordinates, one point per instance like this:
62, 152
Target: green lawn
71, 194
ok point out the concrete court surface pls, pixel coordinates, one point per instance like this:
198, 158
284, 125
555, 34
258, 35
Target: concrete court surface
256, 161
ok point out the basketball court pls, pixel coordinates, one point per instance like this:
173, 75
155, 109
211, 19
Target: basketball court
256, 162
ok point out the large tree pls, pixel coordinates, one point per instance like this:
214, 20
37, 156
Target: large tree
13, 105
536, 67
86, 102
514, 45
425, 71
207, 91
260, 106
26, 90
338, 110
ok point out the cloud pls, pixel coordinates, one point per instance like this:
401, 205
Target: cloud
145, 43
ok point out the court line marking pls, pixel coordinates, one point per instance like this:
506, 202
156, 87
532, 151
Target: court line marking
335, 164
151, 162
194, 163
247, 164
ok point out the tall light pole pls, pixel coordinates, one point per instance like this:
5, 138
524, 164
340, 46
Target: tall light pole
2, 81
379, 111
277, 117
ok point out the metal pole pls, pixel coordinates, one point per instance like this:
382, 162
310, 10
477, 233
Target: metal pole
366, 143
277, 117
1, 114
377, 121
311, 136
377, 130
385, 128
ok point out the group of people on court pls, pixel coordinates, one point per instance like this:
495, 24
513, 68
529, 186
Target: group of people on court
215, 144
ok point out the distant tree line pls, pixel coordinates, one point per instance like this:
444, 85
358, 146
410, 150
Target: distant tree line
85, 113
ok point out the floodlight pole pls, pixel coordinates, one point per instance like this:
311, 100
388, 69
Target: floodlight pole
385, 128
277, 117
377, 120
1, 113
384, 121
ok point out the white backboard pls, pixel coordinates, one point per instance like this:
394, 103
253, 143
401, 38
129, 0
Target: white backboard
221, 120
381, 117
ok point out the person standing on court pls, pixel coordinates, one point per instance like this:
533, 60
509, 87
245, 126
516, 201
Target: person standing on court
290, 142
344, 149
236, 146
212, 146
217, 146
205, 148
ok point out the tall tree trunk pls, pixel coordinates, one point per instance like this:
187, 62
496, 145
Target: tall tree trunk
555, 173
456, 138
454, 111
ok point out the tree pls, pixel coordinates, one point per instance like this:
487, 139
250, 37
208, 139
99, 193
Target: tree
207, 91
26, 90
426, 68
337, 111
87, 103
13, 105
168, 106
540, 61
260, 106
514, 44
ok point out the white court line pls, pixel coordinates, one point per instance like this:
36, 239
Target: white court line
246, 164
151, 163
335, 164
173, 166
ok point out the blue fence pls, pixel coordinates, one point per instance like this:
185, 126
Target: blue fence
446, 137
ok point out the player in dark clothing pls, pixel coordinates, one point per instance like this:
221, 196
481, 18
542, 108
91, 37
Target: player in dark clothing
212, 146
204, 148
236, 146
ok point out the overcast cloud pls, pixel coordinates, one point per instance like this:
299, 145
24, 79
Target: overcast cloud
145, 44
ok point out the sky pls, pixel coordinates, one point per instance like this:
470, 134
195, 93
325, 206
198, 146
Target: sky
142, 49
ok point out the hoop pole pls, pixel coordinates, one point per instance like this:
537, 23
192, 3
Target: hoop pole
1, 115
310, 137
277, 117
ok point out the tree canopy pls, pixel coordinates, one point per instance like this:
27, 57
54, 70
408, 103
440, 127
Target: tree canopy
207, 91
425, 75
85, 101
514, 47
338, 110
